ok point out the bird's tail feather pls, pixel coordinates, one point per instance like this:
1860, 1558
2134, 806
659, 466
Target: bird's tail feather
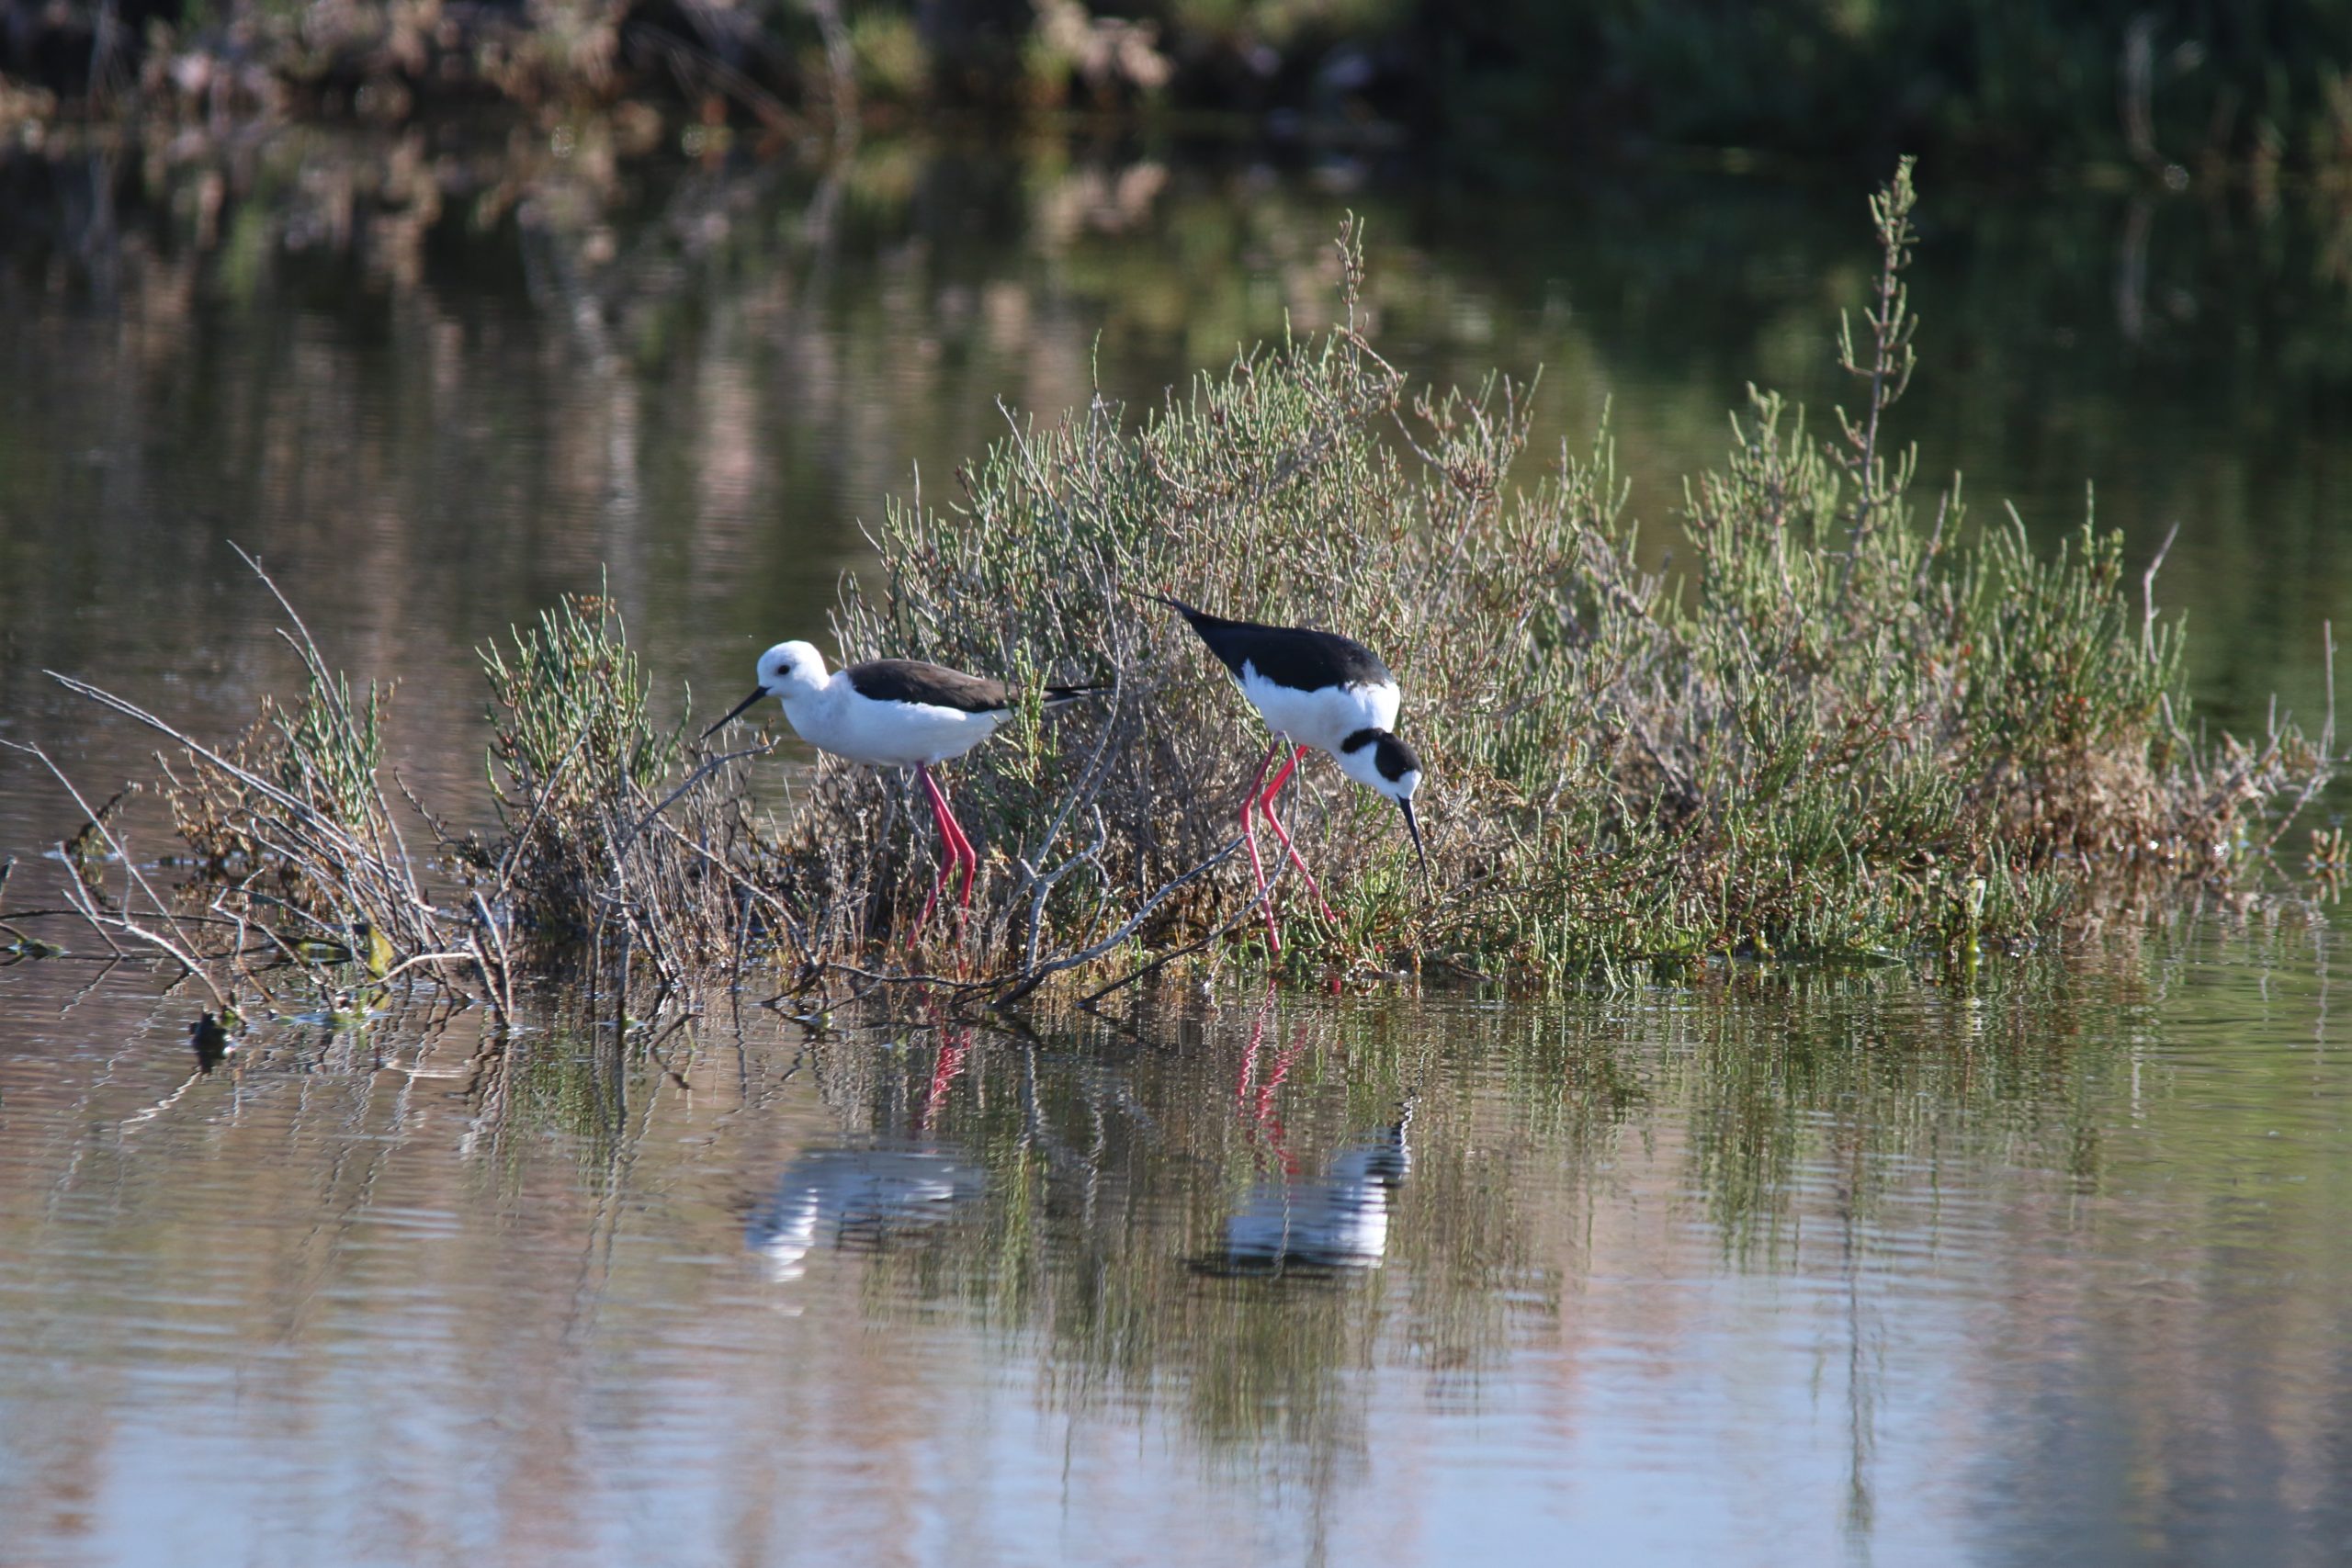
1190, 613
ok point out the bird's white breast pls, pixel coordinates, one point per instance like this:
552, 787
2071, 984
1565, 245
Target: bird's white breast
887, 735
1323, 717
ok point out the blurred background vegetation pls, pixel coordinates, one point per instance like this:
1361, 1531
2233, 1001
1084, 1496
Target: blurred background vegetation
2167, 85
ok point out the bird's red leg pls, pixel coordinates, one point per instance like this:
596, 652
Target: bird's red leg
1266, 805
951, 838
966, 855
1250, 837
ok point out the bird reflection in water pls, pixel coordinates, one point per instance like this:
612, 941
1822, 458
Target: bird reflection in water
860, 1199
865, 1199
1323, 1225
1311, 1227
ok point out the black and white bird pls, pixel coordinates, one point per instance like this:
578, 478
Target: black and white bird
1313, 689
894, 713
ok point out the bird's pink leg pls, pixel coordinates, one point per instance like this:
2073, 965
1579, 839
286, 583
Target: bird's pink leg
964, 850
1250, 837
951, 838
1266, 805
948, 845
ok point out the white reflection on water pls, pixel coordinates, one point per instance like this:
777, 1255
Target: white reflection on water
1336, 1221
856, 1199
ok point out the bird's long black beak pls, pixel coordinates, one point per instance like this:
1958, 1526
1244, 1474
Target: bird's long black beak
735, 712
1414, 828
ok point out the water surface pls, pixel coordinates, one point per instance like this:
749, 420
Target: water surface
2043, 1266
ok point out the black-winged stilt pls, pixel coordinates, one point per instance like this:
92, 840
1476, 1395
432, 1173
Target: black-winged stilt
1318, 689
893, 713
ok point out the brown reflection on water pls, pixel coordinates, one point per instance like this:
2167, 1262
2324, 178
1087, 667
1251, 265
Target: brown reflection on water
2047, 1255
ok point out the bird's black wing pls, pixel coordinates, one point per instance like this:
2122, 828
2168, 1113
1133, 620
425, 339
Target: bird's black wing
933, 686
1297, 657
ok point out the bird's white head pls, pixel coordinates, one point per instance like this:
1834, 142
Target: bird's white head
1379, 760
790, 671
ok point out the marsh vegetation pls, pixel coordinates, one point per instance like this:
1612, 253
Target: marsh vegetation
1843, 722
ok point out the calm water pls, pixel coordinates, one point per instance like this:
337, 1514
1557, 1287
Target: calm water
2047, 1267
2043, 1265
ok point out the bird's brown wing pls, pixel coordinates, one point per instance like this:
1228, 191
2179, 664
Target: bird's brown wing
933, 686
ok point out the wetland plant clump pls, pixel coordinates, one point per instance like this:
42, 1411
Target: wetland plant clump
299, 861
1839, 723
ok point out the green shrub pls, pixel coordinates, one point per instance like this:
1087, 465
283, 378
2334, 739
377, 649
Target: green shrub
1829, 730
1830, 727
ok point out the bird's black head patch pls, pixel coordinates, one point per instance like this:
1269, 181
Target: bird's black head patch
1394, 758
1391, 756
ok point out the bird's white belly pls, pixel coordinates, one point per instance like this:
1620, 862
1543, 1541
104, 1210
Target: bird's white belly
1323, 717
891, 735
